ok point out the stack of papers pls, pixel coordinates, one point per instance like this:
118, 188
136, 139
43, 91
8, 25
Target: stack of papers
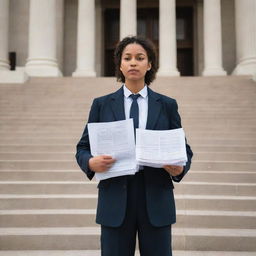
153, 148
158, 148
115, 139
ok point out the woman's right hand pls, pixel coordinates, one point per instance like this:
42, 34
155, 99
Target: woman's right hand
101, 163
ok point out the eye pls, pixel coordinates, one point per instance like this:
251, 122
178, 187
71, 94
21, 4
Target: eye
140, 58
126, 58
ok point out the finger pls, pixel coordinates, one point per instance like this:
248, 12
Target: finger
109, 161
106, 157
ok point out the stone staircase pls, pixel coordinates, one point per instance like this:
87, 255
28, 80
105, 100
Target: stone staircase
47, 206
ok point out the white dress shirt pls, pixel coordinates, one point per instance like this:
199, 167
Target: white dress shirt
142, 103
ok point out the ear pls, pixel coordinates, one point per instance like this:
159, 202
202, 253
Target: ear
149, 66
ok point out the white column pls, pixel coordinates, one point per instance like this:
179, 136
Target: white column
60, 32
167, 39
42, 59
245, 11
86, 39
4, 34
128, 17
212, 39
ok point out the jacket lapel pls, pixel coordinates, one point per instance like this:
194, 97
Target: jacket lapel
154, 108
117, 104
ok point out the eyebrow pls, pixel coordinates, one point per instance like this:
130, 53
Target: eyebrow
136, 54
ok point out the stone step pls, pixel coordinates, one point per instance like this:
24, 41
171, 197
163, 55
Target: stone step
222, 176
64, 148
219, 149
216, 156
61, 148
84, 187
186, 117
86, 218
89, 201
50, 141
198, 165
79, 128
59, 175
52, 113
88, 238
74, 140
74, 135
98, 253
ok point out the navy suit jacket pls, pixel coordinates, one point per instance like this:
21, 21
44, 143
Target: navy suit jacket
162, 115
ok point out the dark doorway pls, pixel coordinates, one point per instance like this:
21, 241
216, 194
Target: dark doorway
111, 23
184, 35
148, 26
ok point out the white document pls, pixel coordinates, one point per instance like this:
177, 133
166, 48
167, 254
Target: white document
158, 148
117, 140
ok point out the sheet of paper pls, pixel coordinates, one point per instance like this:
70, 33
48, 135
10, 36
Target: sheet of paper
157, 148
117, 140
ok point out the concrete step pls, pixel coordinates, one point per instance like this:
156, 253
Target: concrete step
86, 218
89, 201
74, 134
210, 156
98, 253
222, 177
198, 165
83, 187
50, 113
64, 148
61, 148
66, 175
79, 128
70, 140
194, 118
58, 175
83, 238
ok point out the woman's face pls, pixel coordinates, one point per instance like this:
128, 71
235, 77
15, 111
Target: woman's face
134, 62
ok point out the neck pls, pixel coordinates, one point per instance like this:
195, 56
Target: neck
135, 86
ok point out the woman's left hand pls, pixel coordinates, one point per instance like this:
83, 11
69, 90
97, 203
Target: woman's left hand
173, 170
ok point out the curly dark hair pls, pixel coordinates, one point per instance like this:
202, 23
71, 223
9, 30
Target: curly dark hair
149, 48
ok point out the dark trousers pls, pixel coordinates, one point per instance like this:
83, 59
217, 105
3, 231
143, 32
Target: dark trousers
121, 241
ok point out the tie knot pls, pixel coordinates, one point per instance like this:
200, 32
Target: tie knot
134, 96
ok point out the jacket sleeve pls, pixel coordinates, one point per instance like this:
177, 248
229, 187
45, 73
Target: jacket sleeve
83, 151
176, 123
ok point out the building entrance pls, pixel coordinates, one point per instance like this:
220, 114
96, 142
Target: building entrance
148, 26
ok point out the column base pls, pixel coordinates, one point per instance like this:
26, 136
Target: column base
214, 72
168, 73
43, 68
16, 76
4, 65
246, 68
84, 73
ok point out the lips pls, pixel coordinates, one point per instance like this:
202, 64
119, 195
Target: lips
133, 71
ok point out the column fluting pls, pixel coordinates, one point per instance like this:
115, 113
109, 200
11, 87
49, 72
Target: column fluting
245, 13
42, 59
4, 34
212, 39
128, 17
86, 39
167, 39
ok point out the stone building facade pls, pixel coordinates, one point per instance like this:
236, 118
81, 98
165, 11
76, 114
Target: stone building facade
77, 37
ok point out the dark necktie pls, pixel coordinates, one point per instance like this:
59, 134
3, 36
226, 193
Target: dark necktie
134, 111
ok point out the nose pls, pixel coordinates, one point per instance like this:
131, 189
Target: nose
133, 62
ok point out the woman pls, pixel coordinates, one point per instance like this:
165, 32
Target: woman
143, 203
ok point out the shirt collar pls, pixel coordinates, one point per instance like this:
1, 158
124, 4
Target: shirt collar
143, 92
